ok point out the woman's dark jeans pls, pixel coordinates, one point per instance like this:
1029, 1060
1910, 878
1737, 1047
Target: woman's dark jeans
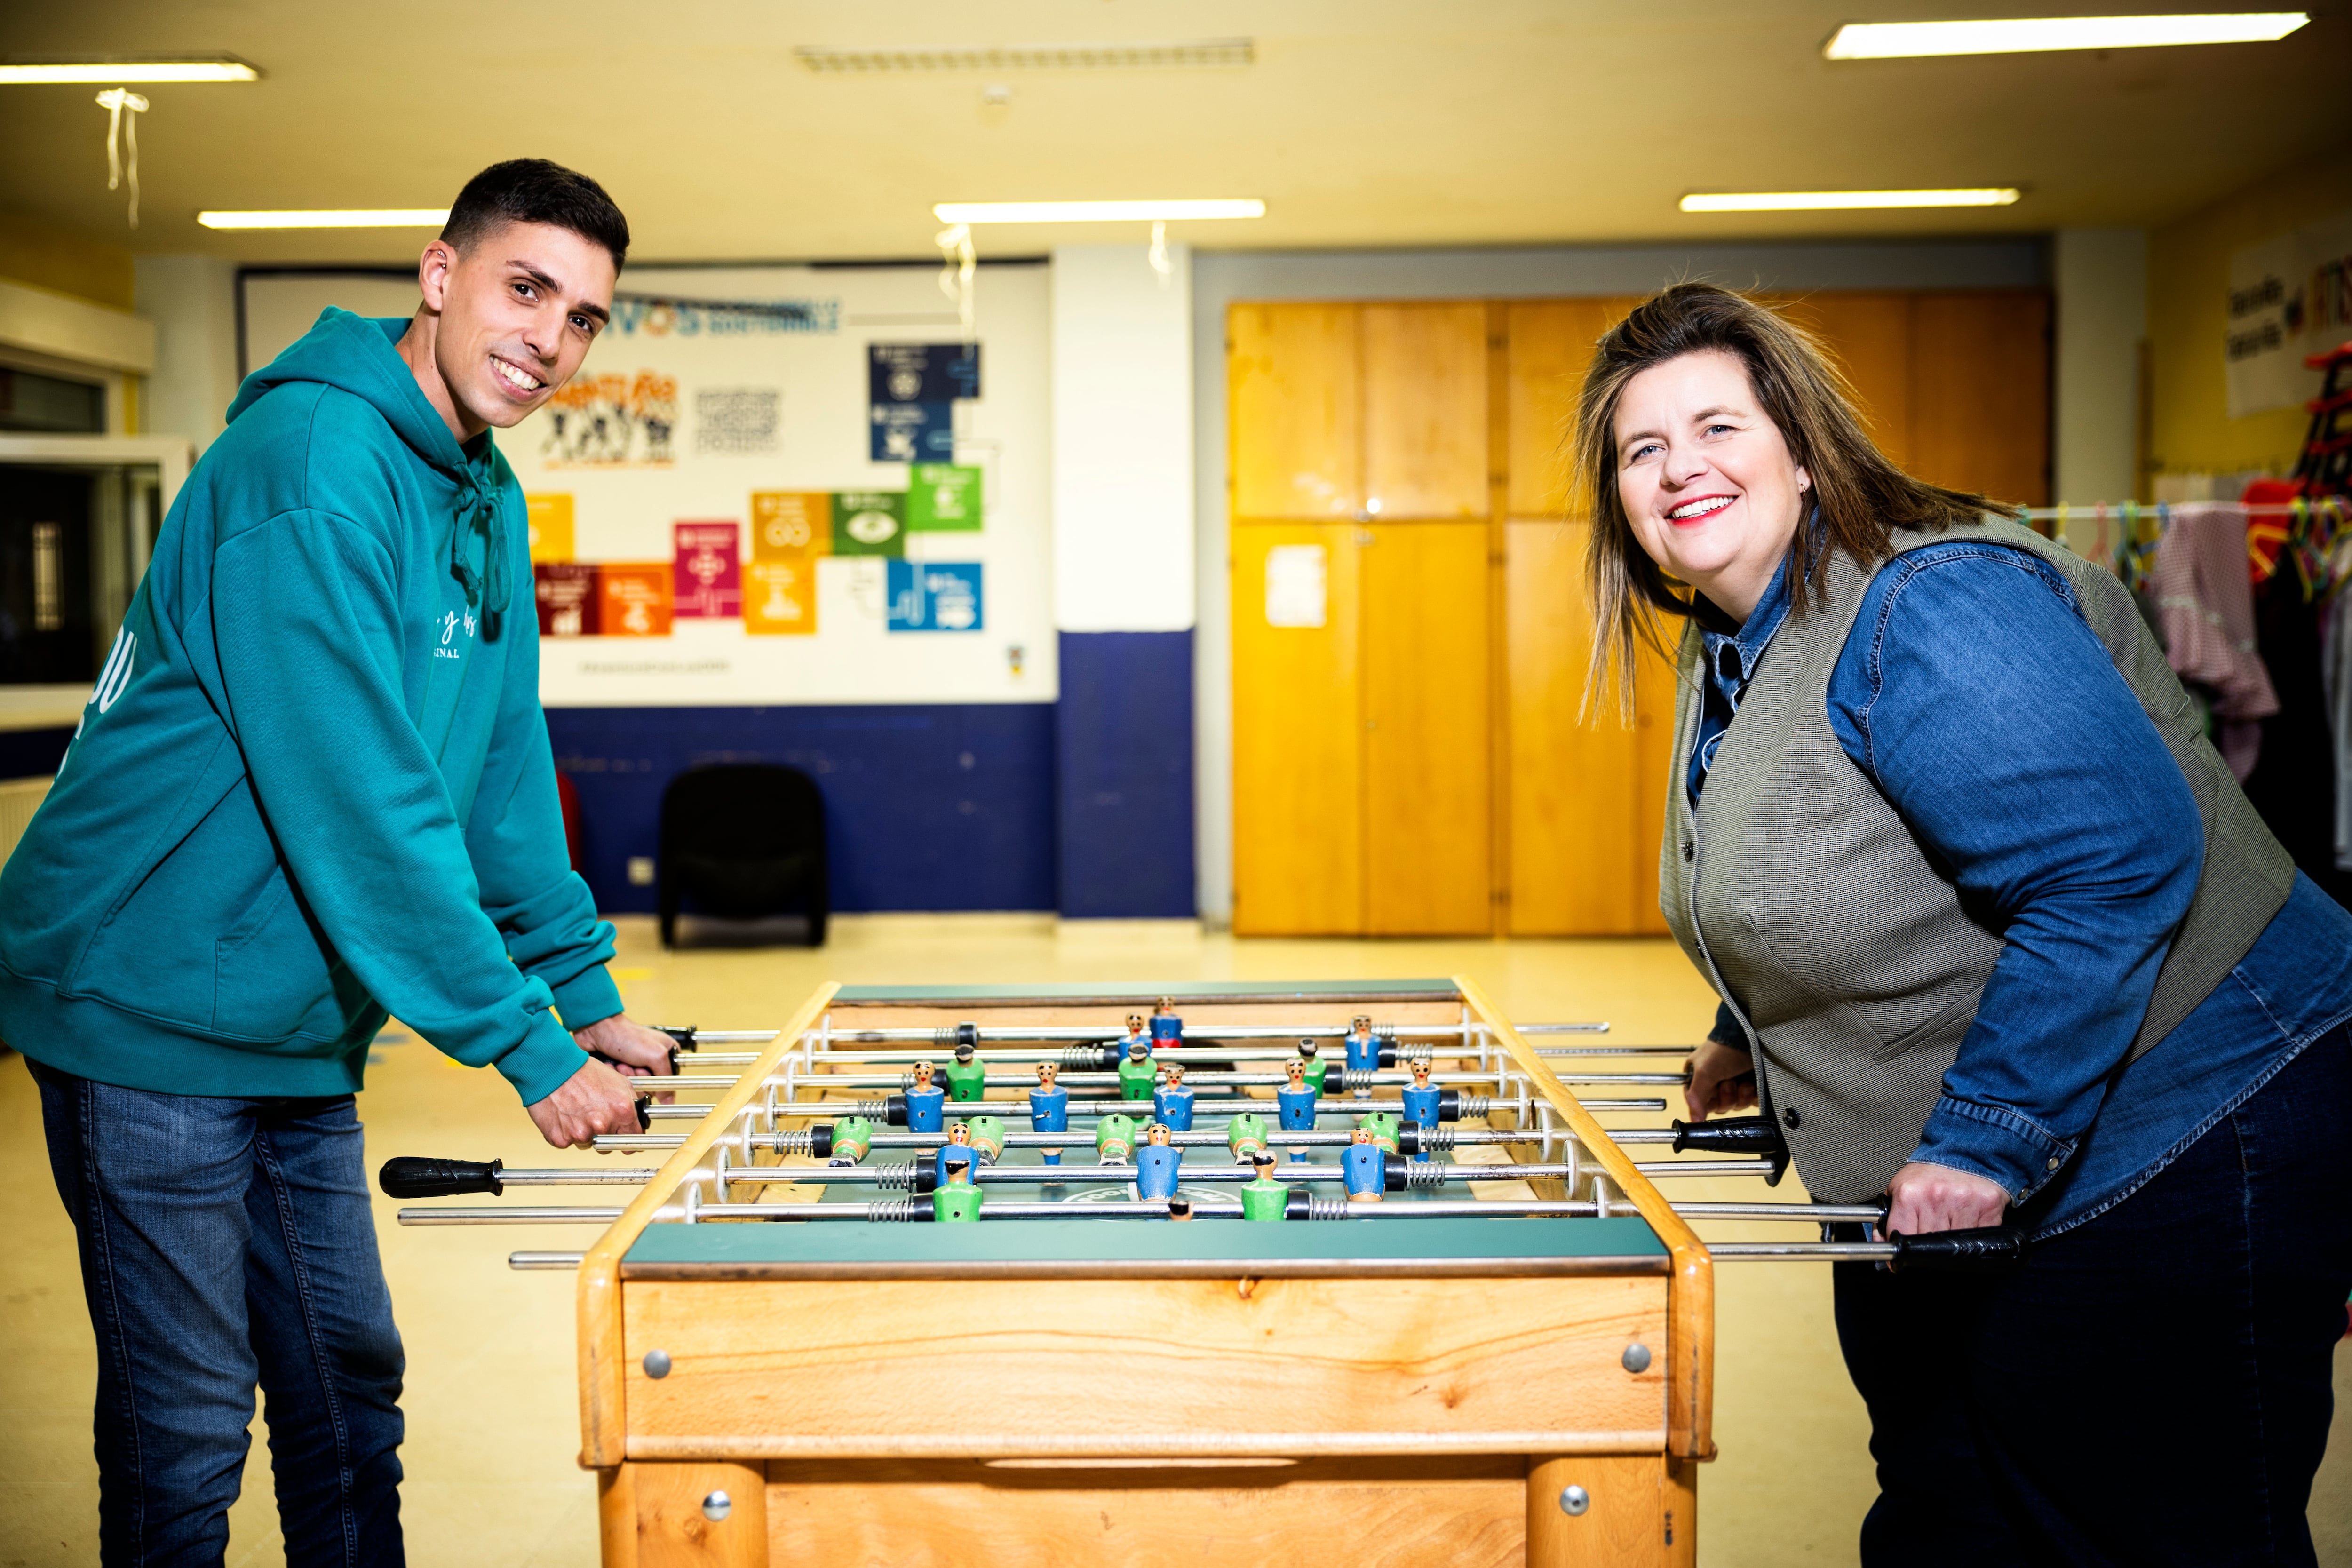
225, 1243
2152, 1387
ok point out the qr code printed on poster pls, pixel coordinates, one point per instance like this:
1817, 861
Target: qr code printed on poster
737, 421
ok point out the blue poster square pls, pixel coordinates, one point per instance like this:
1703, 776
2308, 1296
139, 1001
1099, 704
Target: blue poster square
913, 433
934, 595
921, 372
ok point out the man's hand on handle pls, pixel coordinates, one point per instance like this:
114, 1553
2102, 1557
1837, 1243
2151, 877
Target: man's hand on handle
1923, 1198
594, 1100
1722, 1080
636, 1050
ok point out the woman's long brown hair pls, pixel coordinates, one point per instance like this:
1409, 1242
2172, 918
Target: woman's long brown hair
1862, 497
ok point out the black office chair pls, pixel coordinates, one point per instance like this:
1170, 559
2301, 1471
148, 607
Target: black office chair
743, 841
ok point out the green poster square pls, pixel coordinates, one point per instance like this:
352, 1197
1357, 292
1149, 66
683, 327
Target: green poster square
943, 498
869, 523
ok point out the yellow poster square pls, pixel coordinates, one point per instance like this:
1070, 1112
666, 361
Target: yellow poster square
791, 525
780, 597
550, 527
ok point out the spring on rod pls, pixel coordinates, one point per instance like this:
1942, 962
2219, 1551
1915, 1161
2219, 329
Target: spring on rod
1327, 1208
1435, 1140
1420, 1178
891, 1210
1081, 1059
803, 1142
896, 1178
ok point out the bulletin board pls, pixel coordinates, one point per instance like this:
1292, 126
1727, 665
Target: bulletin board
777, 485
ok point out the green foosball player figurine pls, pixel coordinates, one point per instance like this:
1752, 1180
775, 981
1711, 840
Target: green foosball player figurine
1309, 1053
853, 1139
1245, 1136
1137, 1075
967, 1076
959, 1199
1382, 1130
1114, 1139
1263, 1197
987, 1138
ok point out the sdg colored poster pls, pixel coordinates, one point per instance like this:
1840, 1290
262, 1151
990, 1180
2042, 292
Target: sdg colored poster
905, 432
567, 599
912, 390
869, 523
780, 598
706, 581
550, 526
942, 498
636, 599
934, 597
788, 524
921, 372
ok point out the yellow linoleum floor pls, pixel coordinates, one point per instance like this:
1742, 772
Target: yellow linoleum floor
492, 1413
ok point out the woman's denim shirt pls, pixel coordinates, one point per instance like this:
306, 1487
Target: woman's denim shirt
1981, 706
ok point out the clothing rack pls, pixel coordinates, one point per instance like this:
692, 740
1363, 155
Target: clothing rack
2312, 534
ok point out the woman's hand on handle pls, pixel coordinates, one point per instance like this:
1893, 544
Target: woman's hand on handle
1722, 1079
1923, 1198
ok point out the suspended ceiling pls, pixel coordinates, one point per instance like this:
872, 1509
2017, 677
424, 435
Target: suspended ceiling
1361, 124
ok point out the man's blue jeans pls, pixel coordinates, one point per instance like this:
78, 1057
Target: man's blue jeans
225, 1243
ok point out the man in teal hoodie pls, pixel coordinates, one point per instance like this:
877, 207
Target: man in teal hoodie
312, 785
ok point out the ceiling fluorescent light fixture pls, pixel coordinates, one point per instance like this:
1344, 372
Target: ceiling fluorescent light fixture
21, 71
1028, 56
1092, 212
1844, 201
2027, 35
351, 218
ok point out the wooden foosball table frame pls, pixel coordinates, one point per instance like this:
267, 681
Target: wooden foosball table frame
1338, 1389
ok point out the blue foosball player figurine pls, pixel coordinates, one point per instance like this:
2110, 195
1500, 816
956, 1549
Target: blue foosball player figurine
1049, 1107
1135, 1030
1166, 1028
924, 1101
1421, 1101
1295, 1103
1171, 1102
960, 1147
1367, 1169
1363, 1049
1158, 1163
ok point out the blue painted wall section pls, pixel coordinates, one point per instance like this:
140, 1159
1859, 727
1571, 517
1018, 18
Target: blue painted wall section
1125, 725
941, 806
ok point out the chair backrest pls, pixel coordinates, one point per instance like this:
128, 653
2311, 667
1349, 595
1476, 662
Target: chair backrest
742, 808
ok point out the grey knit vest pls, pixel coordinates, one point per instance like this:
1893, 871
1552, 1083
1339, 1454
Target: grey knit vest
1797, 890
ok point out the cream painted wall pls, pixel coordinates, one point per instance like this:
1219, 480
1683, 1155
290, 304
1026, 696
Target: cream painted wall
2191, 430
192, 300
2100, 279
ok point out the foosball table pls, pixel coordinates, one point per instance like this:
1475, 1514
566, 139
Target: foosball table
1233, 1272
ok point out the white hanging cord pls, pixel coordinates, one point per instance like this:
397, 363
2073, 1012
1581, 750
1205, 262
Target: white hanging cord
114, 100
1160, 251
957, 266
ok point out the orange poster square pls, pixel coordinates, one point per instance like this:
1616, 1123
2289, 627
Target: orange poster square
636, 599
780, 597
791, 525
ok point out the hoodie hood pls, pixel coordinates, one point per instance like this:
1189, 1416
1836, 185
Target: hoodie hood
357, 355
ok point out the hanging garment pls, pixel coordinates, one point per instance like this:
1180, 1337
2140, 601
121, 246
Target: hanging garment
2205, 614
2335, 671
2294, 788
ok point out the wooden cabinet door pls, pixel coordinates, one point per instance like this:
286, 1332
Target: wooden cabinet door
1981, 392
1428, 774
1424, 369
1298, 735
1869, 335
1587, 792
1296, 410
1551, 343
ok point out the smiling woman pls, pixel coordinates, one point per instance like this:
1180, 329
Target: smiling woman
1998, 941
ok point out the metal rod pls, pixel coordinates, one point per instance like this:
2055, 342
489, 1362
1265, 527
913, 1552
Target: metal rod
544, 1260
650, 1142
1081, 1033
550, 1214
1831, 1251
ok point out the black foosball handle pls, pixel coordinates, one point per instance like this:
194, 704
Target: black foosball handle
1755, 1136
1985, 1251
410, 1177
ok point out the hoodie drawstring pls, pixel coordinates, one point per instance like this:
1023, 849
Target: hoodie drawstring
480, 508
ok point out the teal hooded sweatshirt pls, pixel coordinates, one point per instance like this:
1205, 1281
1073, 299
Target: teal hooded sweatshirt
313, 781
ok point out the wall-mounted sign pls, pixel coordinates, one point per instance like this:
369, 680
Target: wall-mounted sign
705, 582
1294, 585
934, 595
869, 523
568, 598
942, 498
636, 599
2289, 298
911, 432
921, 372
550, 526
788, 524
780, 597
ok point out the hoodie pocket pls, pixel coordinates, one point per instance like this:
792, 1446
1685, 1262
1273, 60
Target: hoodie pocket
272, 978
